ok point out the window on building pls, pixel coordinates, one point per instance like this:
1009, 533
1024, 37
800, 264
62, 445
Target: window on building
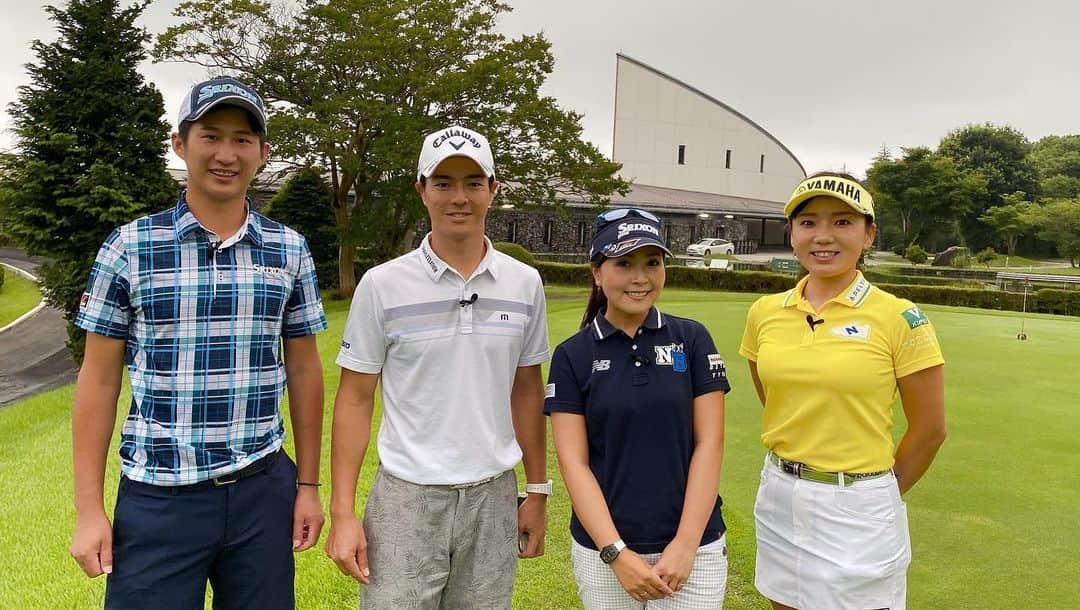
718, 231
762, 168
511, 235
549, 228
727, 159
682, 154
693, 233
582, 233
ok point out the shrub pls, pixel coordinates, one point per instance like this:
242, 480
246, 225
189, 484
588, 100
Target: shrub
516, 252
961, 261
916, 255
1049, 300
695, 278
986, 257
958, 297
1, 276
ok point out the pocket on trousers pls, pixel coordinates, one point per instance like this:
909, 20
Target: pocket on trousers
876, 504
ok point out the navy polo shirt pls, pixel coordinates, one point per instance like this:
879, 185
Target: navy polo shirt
637, 397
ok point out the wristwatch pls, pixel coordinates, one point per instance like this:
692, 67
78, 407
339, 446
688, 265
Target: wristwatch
539, 488
611, 551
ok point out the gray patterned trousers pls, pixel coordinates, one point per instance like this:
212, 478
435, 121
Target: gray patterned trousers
439, 547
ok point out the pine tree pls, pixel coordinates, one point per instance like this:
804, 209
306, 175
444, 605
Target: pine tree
90, 146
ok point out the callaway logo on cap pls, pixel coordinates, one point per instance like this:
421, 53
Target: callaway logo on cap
848, 191
224, 90
454, 141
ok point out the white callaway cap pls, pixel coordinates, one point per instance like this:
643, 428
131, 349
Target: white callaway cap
454, 141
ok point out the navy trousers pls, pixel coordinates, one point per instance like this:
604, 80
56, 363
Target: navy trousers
169, 542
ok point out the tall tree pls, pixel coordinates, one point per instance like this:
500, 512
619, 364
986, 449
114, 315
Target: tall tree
1010, 220
90, 146
1058, 221
1000, 154
304, 204
356, 84
920, 195
1057, 161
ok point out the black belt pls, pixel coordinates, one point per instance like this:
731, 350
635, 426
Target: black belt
253, 468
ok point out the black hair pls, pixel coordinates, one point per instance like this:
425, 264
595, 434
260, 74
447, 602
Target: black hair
185, 127
597, 299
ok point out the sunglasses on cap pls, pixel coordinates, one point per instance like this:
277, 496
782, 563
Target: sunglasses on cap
604, 218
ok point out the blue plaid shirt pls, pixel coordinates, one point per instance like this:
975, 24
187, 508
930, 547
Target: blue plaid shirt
203, 329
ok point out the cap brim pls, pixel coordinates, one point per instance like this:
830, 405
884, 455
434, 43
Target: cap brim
230, 100
427, 171
796, 201
641, 242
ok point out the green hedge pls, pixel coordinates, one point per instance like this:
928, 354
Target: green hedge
879, 277
1050, 300
517, 252
2, 271
1065, 302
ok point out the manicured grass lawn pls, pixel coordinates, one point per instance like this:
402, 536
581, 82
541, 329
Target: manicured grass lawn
993, 525
17, 296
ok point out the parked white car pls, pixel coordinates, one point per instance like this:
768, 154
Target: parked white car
710, 246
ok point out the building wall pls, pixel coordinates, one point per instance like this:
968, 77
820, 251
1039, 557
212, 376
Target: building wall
655, 114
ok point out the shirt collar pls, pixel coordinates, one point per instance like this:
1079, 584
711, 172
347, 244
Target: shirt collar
435, 266
853, 296
185, 222
602, 329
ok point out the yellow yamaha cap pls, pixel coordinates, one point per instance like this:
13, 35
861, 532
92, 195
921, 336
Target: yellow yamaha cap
850, 192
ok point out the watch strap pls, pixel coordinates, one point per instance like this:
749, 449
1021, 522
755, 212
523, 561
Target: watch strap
540, 488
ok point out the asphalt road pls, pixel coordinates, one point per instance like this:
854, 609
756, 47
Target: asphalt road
32, 354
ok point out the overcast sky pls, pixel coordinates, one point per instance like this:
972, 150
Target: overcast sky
832, 79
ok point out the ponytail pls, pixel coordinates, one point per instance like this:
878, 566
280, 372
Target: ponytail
597, 303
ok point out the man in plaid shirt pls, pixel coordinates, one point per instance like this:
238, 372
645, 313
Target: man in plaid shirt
202, 302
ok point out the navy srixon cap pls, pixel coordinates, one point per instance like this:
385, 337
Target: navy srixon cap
621, 231
222, 90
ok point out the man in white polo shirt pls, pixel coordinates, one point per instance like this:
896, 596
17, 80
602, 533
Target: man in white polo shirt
456, 331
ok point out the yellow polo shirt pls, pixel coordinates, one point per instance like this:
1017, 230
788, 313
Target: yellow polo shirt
829, 388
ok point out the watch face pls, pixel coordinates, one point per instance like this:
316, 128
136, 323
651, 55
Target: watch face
609, 553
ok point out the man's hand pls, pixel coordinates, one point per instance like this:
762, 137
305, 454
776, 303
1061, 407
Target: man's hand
307, 518
91, 544
532, 524
347, 546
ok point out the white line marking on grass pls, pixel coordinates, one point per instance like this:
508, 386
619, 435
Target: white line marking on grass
41, 304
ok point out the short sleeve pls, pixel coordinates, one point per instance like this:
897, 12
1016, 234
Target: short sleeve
563, 392
534, 349
105, 308
363, 344
304, 310
915, 345
748, 347
708, 371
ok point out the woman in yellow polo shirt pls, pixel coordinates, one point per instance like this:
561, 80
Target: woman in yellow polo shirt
827, 359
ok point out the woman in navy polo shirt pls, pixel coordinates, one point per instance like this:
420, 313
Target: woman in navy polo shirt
636, 400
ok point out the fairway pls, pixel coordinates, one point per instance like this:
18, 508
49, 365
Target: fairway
993, 524
18, 296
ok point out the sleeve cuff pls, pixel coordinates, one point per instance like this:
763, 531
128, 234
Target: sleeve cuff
345, 360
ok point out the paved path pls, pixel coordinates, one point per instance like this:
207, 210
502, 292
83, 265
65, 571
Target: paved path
32, 354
